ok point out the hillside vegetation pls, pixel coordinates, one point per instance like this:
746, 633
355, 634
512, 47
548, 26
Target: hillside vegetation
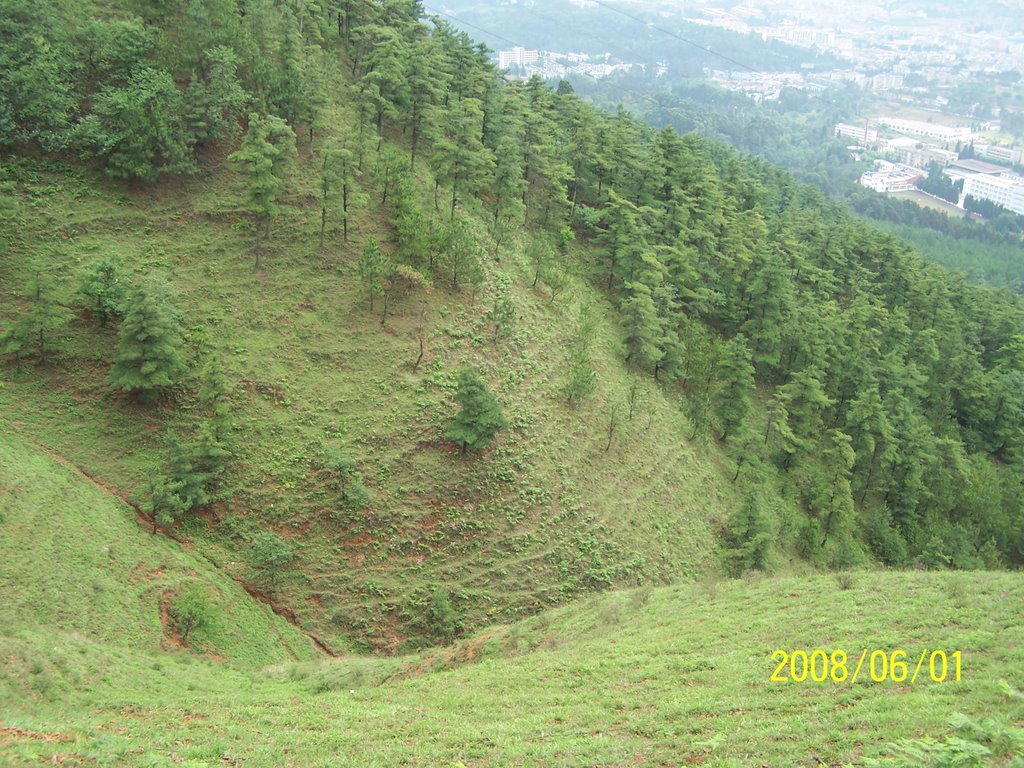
76, 562
249, 253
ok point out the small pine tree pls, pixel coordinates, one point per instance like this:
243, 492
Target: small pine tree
374, 265
149, 358
347, 480
442, 617
503, 316
37, 327
581, 379
213, 394
748, 536
480, 418
104, 285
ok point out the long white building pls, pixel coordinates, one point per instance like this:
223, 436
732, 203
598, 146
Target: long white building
928, 130
1006, 190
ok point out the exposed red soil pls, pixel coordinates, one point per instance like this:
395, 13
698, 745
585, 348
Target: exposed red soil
171, 639
287, 614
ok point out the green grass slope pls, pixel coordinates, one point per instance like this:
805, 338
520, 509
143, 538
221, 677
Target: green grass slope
546, 514
668, 677
75, 565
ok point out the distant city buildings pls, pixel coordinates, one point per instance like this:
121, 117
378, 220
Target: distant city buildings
962, 169
553, 64
913, 152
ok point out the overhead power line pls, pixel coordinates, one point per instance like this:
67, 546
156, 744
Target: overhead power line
680, 38
471, 26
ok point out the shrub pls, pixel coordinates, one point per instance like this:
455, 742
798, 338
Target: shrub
193, 612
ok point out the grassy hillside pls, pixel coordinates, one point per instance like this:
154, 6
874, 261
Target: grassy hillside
668, 676
547, 514
73, 560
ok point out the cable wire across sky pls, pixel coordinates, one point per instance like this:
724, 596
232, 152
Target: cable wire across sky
609, 7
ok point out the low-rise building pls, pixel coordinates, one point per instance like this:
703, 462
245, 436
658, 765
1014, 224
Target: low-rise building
944, 133
961, 169
891, 177
995, 152
867, 137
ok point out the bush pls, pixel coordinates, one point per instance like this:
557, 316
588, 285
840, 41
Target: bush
193, 612
442, 618
346, 480
269, 554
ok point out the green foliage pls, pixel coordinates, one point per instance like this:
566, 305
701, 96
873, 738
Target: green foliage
346, 480
214, 395
502, 315
105, 285
581, 378
374, 267
35, 331
748, 536
733, 395
460, 253
215, 99
37, 102
442, 618
973, 744
149, 356
264, 157
139, 127
193, 611
268, 554
339, 190
938, 184
480, 417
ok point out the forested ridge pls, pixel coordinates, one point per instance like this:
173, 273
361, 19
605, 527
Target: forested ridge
830, 364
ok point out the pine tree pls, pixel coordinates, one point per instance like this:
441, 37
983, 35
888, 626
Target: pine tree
104, 284
643, 329
748, 536
149, 357
37, 328
338, 188
733, 396
480, 418
265, 155
374, 266
214, 392
502, 315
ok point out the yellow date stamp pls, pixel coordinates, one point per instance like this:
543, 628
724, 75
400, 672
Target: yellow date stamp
878, 666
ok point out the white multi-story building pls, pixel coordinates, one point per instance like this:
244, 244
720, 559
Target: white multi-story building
1006, 190
517, 57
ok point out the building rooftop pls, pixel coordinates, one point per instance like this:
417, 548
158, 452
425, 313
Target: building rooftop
978, 166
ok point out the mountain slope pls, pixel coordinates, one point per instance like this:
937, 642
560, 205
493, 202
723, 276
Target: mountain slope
75, 562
